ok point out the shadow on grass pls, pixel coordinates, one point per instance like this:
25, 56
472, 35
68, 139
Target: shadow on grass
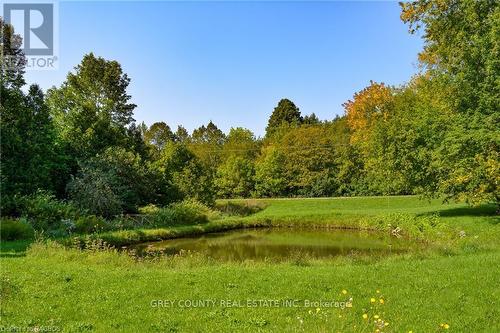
14, 249
483, 210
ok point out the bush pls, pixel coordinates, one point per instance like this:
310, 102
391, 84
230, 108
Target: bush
45, 212
240, 208
94, 191
408, 225
149, 209
14, 229
183, 213
90, 223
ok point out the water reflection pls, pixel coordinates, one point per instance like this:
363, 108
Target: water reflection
279, 243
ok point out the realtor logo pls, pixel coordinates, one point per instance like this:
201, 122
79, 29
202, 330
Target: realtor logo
36, 24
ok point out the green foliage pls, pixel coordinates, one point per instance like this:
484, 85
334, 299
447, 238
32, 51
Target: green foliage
90, 223
235, 178
424, 227
241, 142
206, 143
182, 213
91, 108
148, 209
15, 229
462, 52
190, 177
240, 208
438, 135
45, 212
12, 58
158, 135
116, 181
269, 173
286, 113
93, 190
27, 145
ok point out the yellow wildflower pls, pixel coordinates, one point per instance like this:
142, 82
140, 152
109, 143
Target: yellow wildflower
344, 291
376, 316
446, 326
386, 324
365, 316
372, 300
378, 291
381, 301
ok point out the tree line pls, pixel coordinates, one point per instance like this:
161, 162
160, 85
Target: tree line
436, 135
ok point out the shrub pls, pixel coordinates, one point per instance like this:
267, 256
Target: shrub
240, 208
183, 213
93, 190
14, 229
90, 223
149, 209
407, 225
45, 212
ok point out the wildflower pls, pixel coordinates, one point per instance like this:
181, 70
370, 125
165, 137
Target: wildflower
376, 316
378, 291
386, 324
344, 291
446, 326
410, 331
372, 300
381, 301
365, 316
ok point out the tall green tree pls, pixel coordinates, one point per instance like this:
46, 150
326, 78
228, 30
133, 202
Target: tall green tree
270, 179
12, 58
235, 178
92, 108
286, 113
158, 135
190, 177
240, 142
462, 50
27, 133
181, 135
206, 143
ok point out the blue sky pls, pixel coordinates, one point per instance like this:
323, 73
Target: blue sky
231, 62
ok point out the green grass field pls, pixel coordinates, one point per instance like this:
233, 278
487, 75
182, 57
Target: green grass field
451, 285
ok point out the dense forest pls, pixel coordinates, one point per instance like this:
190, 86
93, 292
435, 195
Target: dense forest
78, 145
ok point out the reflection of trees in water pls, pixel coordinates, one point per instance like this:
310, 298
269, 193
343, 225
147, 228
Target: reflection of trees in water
284, 244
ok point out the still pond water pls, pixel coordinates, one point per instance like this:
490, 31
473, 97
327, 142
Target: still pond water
279, 244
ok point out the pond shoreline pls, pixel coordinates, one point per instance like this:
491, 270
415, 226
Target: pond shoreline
123, 238
278, 243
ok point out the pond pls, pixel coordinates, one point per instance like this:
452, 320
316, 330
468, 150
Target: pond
279, 244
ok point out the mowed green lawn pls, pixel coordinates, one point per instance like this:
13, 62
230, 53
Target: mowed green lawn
454, 289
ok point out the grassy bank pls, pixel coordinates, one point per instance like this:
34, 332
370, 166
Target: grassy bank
105, 292
49, 286
418, 219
